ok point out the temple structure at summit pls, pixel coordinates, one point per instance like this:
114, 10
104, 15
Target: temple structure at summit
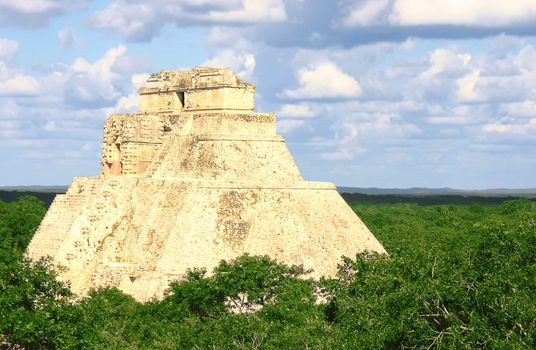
194, 177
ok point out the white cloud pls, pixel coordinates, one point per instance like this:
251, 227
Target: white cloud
31, 6
446, 61
243, 64
500, 128
362, 126
466, 86
502, 44
286, 126
296, 111
496, 80
485, 13
366, 13
450, 98
19, 85
526, 59
324, 80
12, 81
388, 127
224, 36
478, 13
69, 101
130, 102
9, 128
510, 132
347, 143
342, 154
525, 109
438, 80
51, 126
8, 49
142, 20
35, 13
98, 84
67, 38
137, 20
252, 11
448, 120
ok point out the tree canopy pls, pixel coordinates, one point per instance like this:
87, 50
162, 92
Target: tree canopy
457, 276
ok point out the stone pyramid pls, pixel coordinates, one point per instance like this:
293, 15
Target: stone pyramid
193, 178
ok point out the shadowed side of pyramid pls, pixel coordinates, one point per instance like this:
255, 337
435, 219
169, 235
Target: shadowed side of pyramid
193, 178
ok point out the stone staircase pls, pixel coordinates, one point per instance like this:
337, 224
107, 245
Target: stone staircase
57, 224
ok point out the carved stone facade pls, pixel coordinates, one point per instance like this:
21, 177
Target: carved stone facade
193, 178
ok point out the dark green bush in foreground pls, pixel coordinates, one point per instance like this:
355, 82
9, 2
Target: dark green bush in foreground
458, 276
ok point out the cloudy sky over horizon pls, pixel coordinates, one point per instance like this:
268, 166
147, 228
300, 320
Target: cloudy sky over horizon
368, 93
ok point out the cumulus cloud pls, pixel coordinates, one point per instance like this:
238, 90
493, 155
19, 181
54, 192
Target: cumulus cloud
440, 79
525, 130
504, 79
466, 86
67, 38
19, 85
293, 117
13, 82
34, 13
8, 49
503, 44
224, 36
324, 80
68, 99
242, 63
347, 143
62, 124
315, 23
286, 126
524, 109
95, 84
296, 111
366, 13
483, 13
251, 11
360, 126
457, 107
141, 20
346, 23
130, 102
478, 13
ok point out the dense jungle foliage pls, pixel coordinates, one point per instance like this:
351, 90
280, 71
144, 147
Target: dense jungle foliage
458, 276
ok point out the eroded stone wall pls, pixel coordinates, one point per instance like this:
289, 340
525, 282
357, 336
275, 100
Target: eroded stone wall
131, 142
220, 98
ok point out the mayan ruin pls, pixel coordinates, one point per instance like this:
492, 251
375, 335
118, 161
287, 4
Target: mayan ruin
194, 177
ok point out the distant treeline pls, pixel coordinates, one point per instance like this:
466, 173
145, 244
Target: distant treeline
424, 199
10, 196
48, 197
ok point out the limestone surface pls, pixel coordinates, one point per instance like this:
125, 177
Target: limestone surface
196, 176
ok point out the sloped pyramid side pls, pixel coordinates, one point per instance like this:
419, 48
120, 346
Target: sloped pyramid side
220, 185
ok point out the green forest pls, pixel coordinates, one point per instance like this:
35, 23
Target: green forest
458, 276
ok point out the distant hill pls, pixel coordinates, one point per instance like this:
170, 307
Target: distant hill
36, 188
419, 195
44, 193
10, 196
423, 191
414, 191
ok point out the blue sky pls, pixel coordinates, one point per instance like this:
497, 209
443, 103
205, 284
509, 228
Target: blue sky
369, 93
